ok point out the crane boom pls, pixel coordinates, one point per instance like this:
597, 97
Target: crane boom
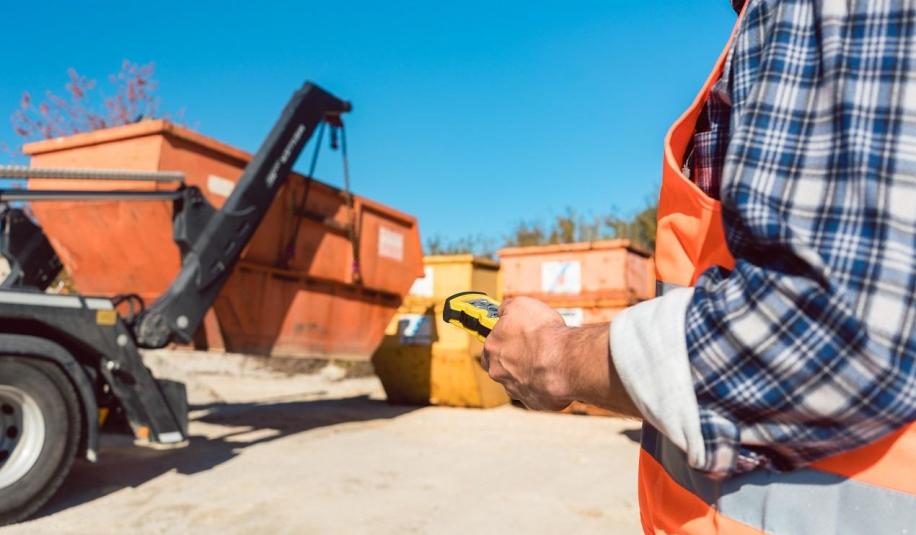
211, 241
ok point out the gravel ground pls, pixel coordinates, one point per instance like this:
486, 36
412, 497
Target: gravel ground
273, 452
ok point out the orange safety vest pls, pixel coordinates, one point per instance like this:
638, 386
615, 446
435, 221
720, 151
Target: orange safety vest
868, 490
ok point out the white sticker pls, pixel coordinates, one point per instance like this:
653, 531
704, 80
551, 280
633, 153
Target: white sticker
390, 244
561, 277
218, 185
415, 329
423, 287
572, 316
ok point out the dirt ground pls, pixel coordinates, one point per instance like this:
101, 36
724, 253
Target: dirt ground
323, 453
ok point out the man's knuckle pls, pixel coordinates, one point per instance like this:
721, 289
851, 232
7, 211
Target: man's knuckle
513, 392
497, 373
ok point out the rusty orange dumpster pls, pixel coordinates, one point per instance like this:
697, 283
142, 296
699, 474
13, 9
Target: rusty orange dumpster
588, 282
312, 303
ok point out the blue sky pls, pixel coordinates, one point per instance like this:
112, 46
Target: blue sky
470, 115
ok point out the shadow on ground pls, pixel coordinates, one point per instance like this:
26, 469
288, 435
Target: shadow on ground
122, 464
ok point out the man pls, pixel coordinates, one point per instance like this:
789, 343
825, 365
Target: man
778, 384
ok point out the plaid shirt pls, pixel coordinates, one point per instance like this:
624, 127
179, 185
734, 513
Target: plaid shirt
808, 347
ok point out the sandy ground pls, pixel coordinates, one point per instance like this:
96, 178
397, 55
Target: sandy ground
320, 453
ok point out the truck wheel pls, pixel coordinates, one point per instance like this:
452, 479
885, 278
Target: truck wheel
39, 434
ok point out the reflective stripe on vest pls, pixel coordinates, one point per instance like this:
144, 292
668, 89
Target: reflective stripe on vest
870, 490
804, 501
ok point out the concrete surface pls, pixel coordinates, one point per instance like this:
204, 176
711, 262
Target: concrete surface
323, 453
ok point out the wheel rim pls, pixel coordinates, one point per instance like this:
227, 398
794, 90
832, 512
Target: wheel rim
22, 434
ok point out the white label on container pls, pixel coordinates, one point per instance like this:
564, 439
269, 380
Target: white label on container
561, 277
415, 329
218, 185
390, 244
572, 316
423, 287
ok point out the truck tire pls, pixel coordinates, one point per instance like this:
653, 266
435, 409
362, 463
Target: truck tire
40, 421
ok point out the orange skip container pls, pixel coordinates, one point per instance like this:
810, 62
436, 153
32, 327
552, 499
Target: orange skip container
588, 282
310, 307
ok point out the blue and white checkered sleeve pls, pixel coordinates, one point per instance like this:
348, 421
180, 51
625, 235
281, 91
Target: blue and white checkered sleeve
807, 348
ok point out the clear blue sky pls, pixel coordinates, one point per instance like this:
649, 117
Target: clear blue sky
504, 110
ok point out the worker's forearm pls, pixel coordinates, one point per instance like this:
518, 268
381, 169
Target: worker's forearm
594, 379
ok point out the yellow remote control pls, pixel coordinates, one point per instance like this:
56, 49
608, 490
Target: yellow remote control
474, 312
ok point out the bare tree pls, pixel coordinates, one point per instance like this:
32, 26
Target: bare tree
84, 107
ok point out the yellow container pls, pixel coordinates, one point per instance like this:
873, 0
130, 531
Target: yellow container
422, 360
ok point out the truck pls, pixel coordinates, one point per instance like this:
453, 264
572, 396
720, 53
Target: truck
69, 361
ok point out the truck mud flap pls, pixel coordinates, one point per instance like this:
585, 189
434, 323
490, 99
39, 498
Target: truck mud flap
176, 395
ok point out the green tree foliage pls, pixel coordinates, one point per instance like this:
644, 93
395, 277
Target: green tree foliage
567, 227
476, 244
639, 229
570, 227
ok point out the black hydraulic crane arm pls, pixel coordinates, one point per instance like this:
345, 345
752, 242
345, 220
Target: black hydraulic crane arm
211, 241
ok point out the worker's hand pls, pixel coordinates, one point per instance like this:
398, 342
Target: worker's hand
525, 352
